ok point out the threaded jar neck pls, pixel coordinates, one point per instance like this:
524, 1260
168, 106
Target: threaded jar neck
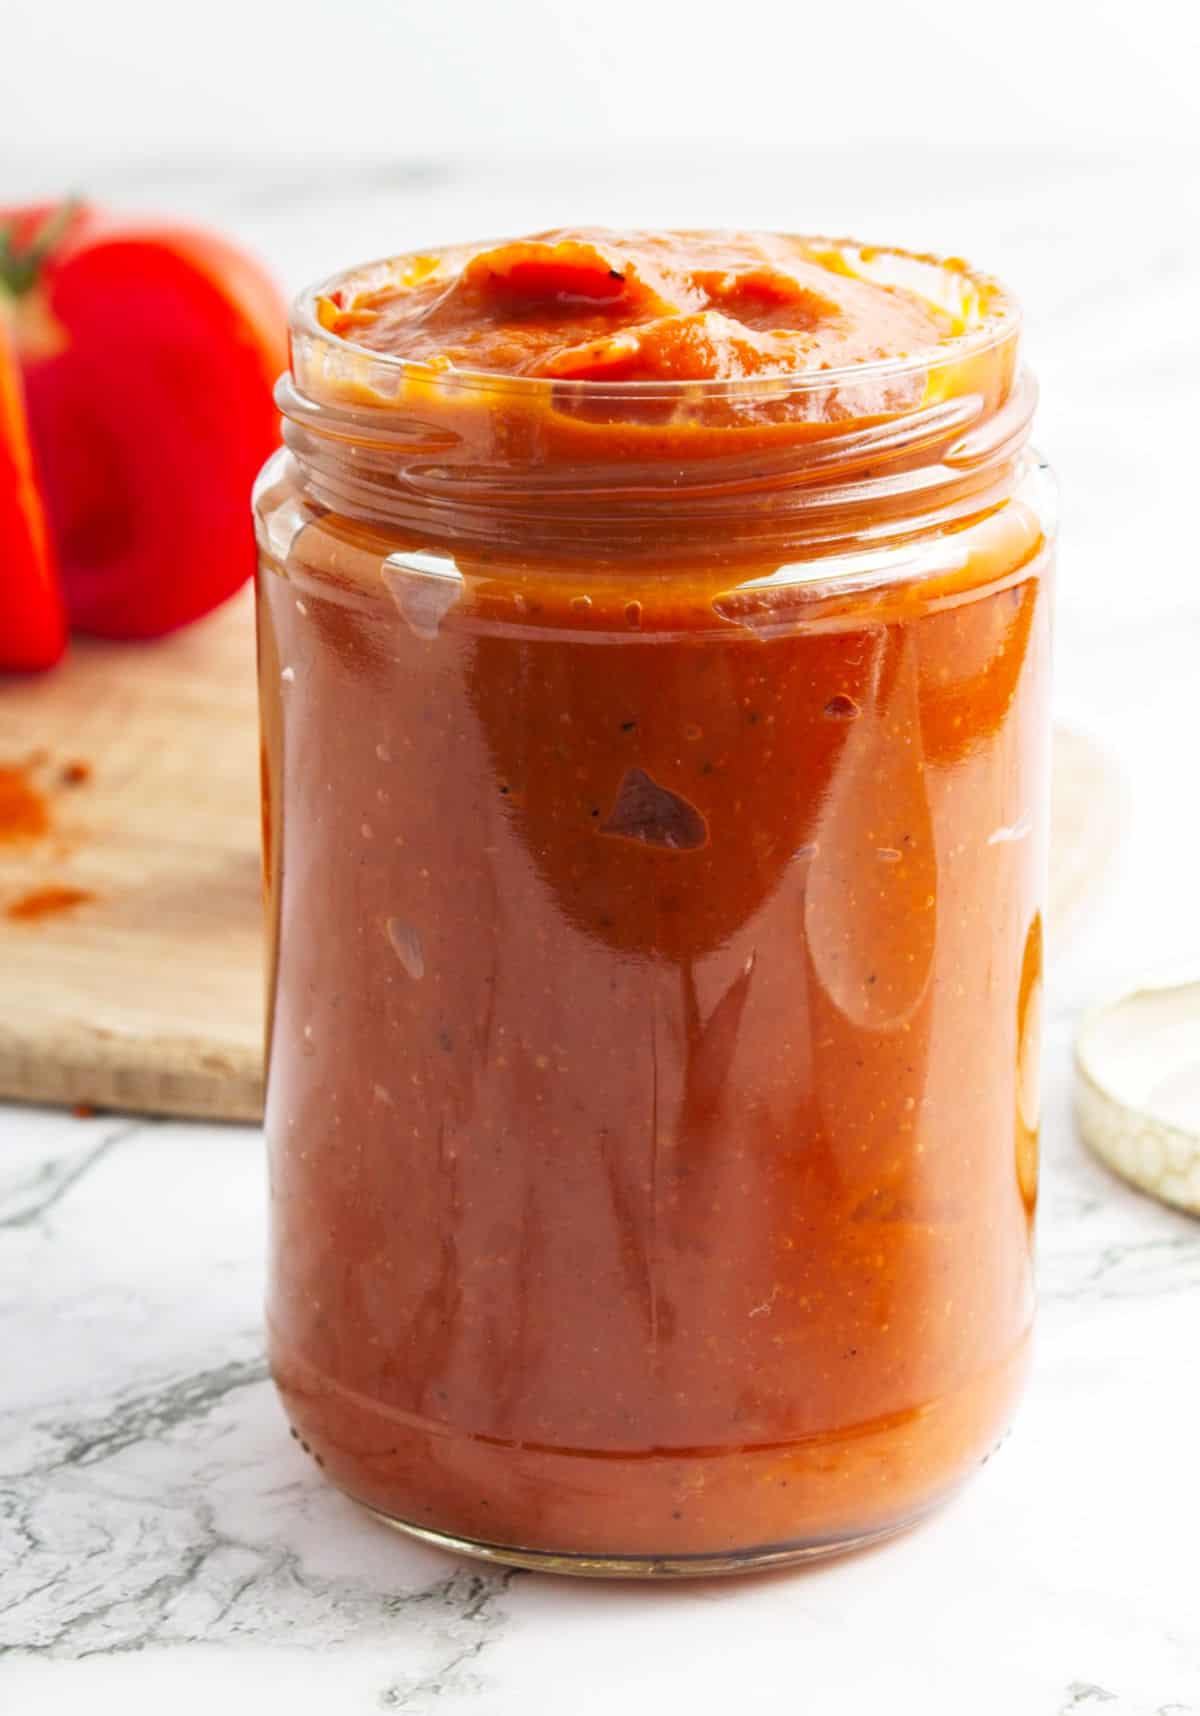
756, 470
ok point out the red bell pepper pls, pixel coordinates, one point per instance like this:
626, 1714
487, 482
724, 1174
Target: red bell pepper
149, 354
33, 630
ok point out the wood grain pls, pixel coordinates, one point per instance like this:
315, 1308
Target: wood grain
147, 995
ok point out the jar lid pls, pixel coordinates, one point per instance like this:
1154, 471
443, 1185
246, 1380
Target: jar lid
1137, 1090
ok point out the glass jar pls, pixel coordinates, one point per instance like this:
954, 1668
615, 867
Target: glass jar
655, 817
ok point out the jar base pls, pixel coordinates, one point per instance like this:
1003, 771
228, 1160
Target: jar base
643, 1566
608, 1514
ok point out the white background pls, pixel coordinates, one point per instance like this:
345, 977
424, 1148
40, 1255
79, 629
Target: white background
394, 78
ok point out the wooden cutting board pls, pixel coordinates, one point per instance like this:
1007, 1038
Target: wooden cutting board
130, 922
146, 995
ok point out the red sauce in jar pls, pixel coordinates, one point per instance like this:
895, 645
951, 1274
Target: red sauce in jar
655, 932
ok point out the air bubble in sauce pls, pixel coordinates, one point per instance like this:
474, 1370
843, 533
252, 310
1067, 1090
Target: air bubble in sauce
654, 814
406, 945
841, 708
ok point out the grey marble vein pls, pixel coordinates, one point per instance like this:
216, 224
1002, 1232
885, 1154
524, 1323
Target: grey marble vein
1085, 1698
477, 1614
139, 1416
30, 1197
184, 1516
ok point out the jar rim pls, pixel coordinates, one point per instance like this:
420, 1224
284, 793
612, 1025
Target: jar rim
990, 316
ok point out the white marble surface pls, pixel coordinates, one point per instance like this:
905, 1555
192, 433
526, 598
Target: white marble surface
164, 1545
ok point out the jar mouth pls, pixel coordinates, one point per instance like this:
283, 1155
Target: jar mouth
760, 467
985, 318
